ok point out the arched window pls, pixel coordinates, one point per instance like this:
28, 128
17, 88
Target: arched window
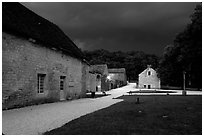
98, 76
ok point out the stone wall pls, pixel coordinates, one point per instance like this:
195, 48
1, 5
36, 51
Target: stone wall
119, 79
23, 60
92, 82
85, 78
104, 84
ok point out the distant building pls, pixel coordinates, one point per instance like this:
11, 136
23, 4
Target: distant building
148, 79
117, 77
93, 81
39, 62
101, 78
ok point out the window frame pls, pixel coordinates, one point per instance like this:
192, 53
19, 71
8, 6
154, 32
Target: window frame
149, 73
149, 86
145, 86
62, 82
41, 83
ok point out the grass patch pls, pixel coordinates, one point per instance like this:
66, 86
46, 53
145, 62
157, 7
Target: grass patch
164, 115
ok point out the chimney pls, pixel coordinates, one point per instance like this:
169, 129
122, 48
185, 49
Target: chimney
149, 66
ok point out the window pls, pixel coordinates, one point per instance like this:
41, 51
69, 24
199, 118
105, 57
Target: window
62, 79
149, 73
144, 86
41, 81
98, 77
149, 86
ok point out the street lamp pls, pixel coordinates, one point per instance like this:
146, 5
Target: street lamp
108, 77
184, 83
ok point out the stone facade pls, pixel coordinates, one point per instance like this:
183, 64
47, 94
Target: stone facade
148, 79
23, 61
92, 81
102, 83
118, 77
98, 83
85, 76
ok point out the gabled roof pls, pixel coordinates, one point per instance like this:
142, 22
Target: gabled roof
116, 70
146, 70
101, 69
20, 21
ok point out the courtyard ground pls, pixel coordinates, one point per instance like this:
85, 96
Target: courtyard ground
41, 118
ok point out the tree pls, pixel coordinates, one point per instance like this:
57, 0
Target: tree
184, 55
134, 62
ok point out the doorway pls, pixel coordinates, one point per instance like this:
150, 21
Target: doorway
112, 86
149, 86
144, 86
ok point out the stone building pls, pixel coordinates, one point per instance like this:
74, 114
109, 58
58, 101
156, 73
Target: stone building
117, 77
148, 79
92, 81
39, 62
101, 79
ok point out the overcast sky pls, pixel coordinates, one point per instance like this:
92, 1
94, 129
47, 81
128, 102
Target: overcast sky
147, 27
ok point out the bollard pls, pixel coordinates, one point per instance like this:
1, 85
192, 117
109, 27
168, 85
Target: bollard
138, 101
92, 94
184, 93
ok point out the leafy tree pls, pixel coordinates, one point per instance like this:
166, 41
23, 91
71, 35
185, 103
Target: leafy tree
184, 55
134, 62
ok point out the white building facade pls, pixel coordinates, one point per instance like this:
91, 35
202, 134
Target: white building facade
148, 79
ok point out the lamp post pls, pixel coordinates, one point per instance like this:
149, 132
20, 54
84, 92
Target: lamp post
184, 83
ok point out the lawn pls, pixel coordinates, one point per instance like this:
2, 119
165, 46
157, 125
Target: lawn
164, 115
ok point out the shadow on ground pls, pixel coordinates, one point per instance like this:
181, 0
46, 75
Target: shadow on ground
97, 95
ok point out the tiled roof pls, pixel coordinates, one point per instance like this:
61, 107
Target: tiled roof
116, 70
102, 69
20, 21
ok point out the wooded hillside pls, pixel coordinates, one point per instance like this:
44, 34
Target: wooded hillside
134, 62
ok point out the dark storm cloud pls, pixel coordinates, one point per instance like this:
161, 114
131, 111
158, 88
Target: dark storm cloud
118, 26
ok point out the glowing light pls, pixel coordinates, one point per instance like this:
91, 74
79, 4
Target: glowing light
108, 77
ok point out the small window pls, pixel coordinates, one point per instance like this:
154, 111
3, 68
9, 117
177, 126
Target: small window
149, 73
62, 80
41, 82
98, 77
144, 86
149, 86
